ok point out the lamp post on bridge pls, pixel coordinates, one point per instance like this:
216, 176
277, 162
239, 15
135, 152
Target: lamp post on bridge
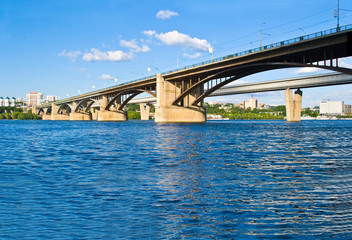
304, 33
260, 35
337, 15
211, 51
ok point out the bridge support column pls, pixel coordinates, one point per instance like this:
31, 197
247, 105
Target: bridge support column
145, 111
34, 110
75, 116
107, 115
293, 106
166, 112
46, 117
55, 115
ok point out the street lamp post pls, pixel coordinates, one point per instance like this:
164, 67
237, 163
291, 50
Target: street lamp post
337, 15
304, 33
260, 35
211, 51
177, 61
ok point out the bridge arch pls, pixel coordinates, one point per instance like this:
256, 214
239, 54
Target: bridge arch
236, 73
80, 105
130, 94
40, 111
48, 110
65, 107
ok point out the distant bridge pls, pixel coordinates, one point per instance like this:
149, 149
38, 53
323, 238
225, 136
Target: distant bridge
321, 80
180, 93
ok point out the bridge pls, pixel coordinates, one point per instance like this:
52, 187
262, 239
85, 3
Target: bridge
180, 93
320, 80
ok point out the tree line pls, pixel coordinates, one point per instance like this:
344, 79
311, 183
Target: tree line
231, 112
17, 113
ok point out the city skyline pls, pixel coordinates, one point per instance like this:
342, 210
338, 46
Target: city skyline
66, 48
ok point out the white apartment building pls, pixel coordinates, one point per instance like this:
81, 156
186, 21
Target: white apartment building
328, 107
7, 102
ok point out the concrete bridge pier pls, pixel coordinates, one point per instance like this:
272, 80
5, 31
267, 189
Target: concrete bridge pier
79, 116
40, 113
166, 112
46, 117
293, 106
145, 111
108, 115
57, 116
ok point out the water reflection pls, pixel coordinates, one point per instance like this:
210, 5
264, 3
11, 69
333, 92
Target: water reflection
140, 180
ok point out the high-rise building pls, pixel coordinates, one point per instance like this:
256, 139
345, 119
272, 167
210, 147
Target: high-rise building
34, 98
252, 103
348, 110
328, 107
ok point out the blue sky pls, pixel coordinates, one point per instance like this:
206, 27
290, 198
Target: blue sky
62, 47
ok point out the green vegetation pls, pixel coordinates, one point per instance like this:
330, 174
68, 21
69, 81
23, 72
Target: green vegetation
17, 113
133, 111
231, 112
134, 115
309, 112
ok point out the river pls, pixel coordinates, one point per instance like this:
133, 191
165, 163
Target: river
143, 180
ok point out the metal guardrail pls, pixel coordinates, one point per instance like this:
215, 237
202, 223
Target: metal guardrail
231, 56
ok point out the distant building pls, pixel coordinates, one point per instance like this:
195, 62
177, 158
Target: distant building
331, 108
252, 103
34, 98
13, 102
8, 102
348, 110
51, 98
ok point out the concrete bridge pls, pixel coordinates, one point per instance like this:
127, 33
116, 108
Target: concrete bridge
180, 93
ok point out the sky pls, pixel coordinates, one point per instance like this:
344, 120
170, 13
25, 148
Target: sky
67, 47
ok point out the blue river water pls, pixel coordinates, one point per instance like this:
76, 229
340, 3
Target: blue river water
143, 180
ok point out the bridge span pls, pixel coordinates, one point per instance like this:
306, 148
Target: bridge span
321, 80
180, 93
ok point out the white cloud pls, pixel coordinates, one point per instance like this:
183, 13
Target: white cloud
133, 46
71, 55
307, 70
339, 95
115, 56
192, 56
174, 38
79, 69
107, 77
344, 63
149, 33
166, 14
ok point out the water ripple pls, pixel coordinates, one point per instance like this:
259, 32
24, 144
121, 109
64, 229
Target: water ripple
142, 180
